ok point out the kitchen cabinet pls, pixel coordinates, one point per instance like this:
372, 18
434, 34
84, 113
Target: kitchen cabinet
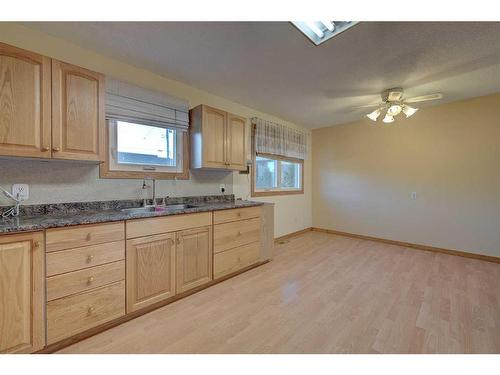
49, 109
25, 112
77, 113
194, 258
150, 264
21, 293
218, 139
237, 240
85, 277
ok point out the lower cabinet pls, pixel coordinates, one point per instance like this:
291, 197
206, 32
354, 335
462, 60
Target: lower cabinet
150, 270
21, 293
194, 258
78, 312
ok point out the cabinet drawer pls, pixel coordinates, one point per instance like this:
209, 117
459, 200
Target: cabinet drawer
84, 257
236, 233
83, 280
226, 216
235, 259
83, 235
159, 225
70, 315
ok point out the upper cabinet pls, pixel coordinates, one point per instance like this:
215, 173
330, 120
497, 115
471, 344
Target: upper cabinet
49, 109
77, 112
217, 139
24, 103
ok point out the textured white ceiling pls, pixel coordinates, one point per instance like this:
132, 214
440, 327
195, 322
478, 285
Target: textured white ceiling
272, 67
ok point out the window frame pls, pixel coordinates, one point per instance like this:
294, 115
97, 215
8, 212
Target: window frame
106, 172
273, 192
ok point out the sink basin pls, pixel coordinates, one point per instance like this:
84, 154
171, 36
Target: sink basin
138, 210
180, 206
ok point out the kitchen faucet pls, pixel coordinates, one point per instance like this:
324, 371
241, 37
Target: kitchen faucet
145, 202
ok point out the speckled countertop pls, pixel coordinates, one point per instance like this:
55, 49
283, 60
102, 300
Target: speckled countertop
41, 217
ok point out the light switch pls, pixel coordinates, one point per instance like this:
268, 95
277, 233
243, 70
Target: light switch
413, 195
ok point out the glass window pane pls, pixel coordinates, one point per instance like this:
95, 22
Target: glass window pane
145, 145
265, 176
290, 175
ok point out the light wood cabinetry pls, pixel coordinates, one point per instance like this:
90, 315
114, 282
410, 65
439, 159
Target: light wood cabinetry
85, 277
233, 260
150, 270
21, 293
49, 109
158, 225
84, 235
194, 258
217, 139
235, 142
77, 113
76, 313
25, 123
237, 240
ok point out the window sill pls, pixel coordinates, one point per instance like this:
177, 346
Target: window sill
276, 192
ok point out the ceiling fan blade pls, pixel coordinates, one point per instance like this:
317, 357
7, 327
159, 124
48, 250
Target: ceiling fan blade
424, 98
369, 106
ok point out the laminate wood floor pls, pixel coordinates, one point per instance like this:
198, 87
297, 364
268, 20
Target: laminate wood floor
325, 293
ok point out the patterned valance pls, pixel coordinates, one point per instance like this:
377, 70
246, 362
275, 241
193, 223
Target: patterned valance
277, 139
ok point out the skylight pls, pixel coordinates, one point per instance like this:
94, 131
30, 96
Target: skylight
320, 31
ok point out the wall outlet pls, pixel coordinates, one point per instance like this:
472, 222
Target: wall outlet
413, 195
21, 191
222, 188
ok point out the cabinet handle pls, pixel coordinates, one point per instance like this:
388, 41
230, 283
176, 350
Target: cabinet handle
56, 149
36, 244
90, 258
238, 214
178, 241
45, 148
88, 237
90, 310
239, 233
90, 280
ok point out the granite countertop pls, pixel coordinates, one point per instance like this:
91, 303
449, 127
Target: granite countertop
62, 215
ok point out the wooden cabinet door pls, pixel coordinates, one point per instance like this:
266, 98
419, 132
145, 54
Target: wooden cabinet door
235, 143
150, 270
21, 293
194, 258
78, 129
24, 103
214, 138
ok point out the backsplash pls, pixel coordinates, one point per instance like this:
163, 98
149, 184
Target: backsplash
62, 182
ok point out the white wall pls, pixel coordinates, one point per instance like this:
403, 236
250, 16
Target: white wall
364, 174
51, 182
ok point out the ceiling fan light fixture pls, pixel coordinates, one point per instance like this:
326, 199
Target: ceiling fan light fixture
394, 110
409, 111
374, 115
388, 118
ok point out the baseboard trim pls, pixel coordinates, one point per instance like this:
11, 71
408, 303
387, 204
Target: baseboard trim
459, 253
293, 234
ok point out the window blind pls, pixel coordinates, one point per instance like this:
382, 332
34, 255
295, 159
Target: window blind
278, 139
127, 102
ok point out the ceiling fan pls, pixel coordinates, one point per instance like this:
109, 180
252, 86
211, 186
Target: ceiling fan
394, 103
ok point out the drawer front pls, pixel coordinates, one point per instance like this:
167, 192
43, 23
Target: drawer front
83, 280
71, 315
226, 216
84, 257
83, 235
235, 259
159, 225
236, 233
